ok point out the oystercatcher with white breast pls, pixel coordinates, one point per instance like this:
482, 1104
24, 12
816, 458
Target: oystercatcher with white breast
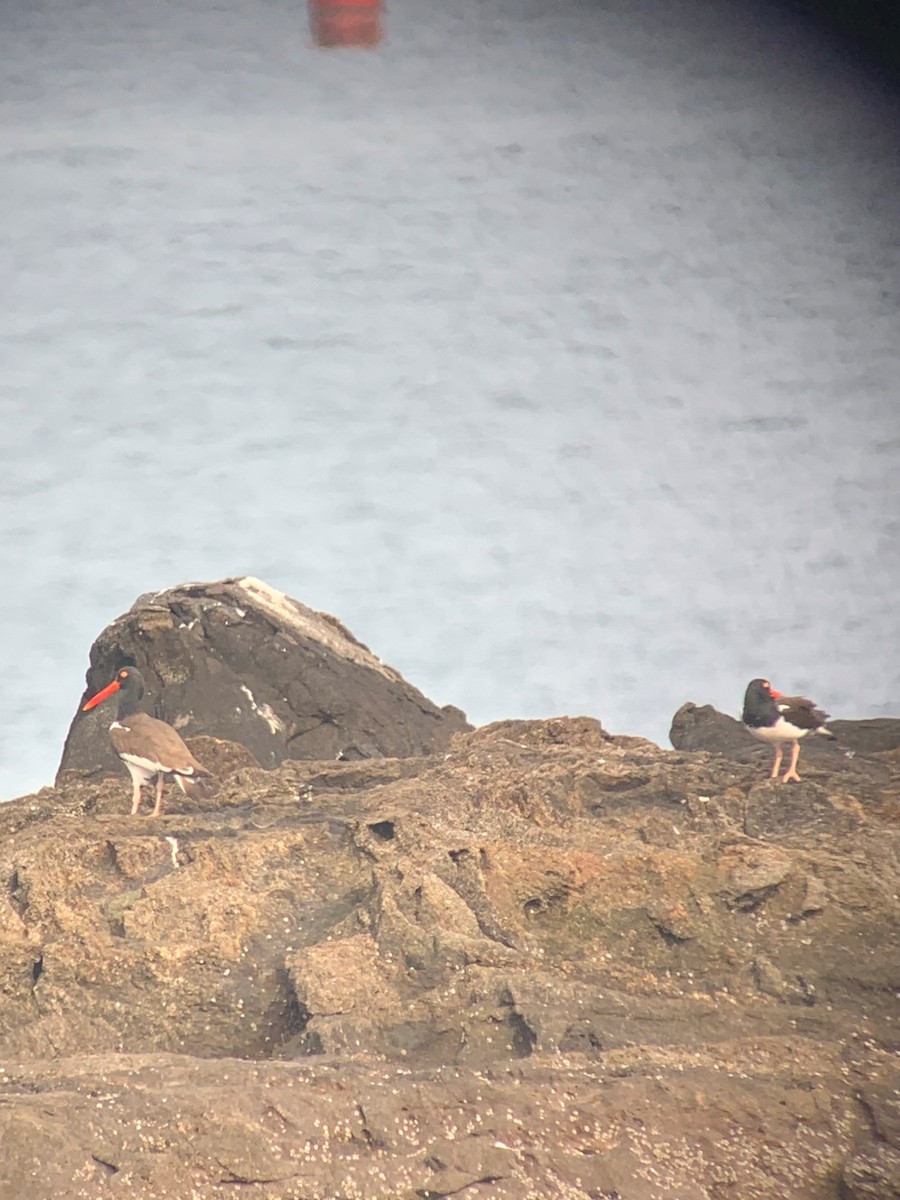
779, 719
149, 748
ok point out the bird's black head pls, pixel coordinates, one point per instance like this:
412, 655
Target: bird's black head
759, 703
128, 681
759, 687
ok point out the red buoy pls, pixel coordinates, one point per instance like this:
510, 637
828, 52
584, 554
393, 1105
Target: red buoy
346, 22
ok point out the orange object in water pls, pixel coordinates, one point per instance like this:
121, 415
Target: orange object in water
345, 22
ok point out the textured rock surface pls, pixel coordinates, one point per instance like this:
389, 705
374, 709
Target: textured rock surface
239, 661
702, 727
550, 963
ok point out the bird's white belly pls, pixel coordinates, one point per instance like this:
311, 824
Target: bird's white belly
781, 731
141, 769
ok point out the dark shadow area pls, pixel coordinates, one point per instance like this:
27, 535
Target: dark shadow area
866, 29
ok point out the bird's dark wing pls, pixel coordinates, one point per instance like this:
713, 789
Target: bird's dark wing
802, 712
155, 745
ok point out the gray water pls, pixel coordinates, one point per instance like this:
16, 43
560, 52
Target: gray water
553, 347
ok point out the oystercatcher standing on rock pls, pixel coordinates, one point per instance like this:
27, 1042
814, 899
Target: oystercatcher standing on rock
148, 748
777, 719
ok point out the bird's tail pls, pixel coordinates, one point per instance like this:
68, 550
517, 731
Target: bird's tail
826, 732
197, 786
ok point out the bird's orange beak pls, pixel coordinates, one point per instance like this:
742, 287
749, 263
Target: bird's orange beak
101, 696
775, 695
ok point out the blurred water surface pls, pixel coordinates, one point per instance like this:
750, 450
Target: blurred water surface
552, 346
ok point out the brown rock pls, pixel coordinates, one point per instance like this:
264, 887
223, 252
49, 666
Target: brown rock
702, 727
872, 1171
547, 963
874, 736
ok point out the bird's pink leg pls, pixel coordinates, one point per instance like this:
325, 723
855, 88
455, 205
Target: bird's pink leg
791, 772
136, 798
776, 765
157, 808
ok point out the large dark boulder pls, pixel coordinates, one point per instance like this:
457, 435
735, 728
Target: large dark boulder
702, 727
239, 661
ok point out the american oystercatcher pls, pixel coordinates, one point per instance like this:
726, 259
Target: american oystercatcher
777, 719
148, 748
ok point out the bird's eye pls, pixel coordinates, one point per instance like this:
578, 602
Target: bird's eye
766, 684
123, 674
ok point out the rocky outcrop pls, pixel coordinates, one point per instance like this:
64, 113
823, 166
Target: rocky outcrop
239, 661
546, 963
702, 727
